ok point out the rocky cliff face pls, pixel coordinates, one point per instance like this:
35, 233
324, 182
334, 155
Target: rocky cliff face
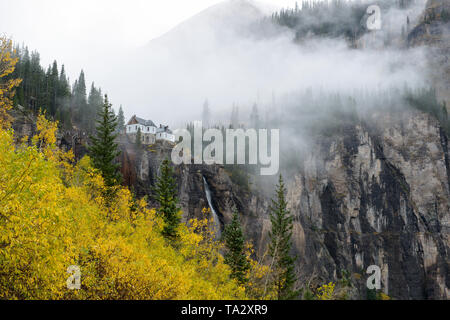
379, 194
376, 194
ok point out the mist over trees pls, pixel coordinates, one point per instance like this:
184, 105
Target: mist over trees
50, 91
254, 117
332, 19
306, 116
120, 120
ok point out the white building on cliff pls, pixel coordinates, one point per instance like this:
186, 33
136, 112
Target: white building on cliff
149, 132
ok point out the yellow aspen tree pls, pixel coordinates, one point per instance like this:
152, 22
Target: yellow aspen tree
7, 86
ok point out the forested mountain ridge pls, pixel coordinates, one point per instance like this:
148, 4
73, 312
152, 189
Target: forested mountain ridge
345, 19
49, 90
75, 106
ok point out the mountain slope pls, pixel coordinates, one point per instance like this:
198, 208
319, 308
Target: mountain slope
202, 57
216, 23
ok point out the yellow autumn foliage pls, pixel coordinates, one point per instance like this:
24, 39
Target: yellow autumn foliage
384, 296
7, 65
53, 215
326, 291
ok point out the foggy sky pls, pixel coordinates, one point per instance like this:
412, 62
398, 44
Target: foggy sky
81, 33
168, 79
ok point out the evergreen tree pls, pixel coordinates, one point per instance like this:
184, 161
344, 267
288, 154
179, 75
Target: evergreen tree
104, 148
139, 138
444, 112
280, 246
95, 103
80, 93
26, 73
445, 15
165, 194
64, 82
445, 120
51, 91
80, 101
47, 107
120, 120
254, 117
64, 97
235, 256
53, 88
74, 87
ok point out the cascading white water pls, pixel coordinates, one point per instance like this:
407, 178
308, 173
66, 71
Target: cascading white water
213, 212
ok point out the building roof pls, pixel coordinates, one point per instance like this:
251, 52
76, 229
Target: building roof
137, 120
163, 129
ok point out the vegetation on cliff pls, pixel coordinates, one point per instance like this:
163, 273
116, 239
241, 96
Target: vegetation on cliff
53, 215
103, 149
235, 256
50, 91
283, 263
166, 196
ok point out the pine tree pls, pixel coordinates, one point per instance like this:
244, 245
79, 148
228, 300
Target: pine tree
120, 120
104, 148
53, 84
445, 112
280, 246
165, 194
48, 91
139, 138
254, 117
80, 101
235, 256
64, 96
95, 103
51, 91
64, 83
445, 120
80, 94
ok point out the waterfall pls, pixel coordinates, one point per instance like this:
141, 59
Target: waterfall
213, 212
